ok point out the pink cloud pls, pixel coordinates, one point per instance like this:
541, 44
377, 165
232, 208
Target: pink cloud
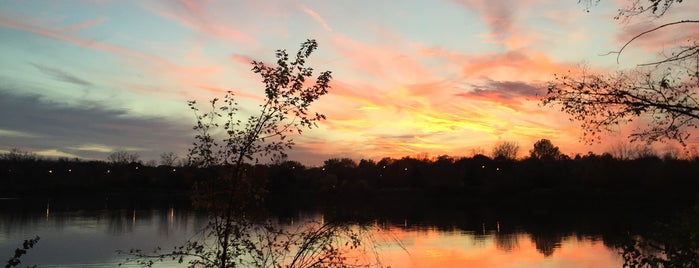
242, 59
199, 72
195, 16
84, 25
317, 18
381, 61
23, 23
497, 14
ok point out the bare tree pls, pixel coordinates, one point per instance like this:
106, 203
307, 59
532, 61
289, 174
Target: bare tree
661, 95
18, 155
123, 157
621, 150
168, 159
506, 150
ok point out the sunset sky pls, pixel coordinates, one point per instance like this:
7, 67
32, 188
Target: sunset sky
86, 78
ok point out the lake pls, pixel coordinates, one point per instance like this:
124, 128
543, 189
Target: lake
88, 235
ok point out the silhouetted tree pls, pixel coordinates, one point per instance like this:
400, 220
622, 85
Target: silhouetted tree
238, 233
123, 157
544, 150
168, 159
662, 93
621, 150
666, 99
506, 150
18, 155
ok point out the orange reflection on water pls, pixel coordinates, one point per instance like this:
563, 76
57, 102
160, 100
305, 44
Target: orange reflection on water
435, 248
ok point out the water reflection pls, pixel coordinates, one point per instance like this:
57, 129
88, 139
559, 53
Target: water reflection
73, 236
434, 248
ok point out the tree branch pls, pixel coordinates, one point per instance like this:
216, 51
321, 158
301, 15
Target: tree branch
647, 32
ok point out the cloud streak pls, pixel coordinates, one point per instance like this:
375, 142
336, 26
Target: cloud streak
196, 16
23, 23
317, 18
61, 75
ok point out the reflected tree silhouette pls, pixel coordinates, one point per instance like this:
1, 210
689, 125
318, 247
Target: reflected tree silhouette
669, 243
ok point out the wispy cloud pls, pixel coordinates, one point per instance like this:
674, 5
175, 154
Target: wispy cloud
196, 16
61, 75
497, 14
317, 18
242, 59
84, 25
27, 24
16, 134
55, 153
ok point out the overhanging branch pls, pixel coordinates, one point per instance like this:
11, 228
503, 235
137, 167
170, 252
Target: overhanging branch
647, 32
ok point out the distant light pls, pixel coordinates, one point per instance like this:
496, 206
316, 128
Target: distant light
384, 166
482, 166
497, 168
174, 169
70, 170
323, 168
50, 171
406, 169
108, 171
136, 168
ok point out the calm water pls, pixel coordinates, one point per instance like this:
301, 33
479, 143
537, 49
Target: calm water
73, 237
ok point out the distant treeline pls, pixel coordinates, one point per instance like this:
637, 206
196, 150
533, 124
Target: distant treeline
478, 178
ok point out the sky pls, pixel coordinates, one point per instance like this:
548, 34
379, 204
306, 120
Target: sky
85, 78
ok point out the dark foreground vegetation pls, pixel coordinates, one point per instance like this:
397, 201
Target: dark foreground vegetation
559, 182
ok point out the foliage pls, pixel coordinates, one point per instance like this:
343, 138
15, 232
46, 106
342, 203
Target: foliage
672, 242
284, 112
506, 150
544, 150
239, 233
666, 102
28, 244
661, 95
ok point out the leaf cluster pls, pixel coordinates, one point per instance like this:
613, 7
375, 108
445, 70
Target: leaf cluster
284, 112
26, 245
664, 100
